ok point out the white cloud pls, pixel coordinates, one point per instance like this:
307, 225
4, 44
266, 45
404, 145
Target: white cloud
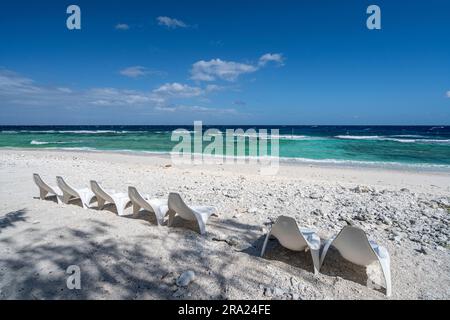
122, 26
65, 90
135, 71
118, 97
171, 23
448, 94
219, 69
229, 70
274, 57
213, 87
196, 109
17, 91
13, 83
178, 90
139, 71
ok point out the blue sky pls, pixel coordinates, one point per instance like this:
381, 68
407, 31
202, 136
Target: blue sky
225, 62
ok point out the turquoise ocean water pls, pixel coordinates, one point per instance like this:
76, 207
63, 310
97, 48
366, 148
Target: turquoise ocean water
416, 146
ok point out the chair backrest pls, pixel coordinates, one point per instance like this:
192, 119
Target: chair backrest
177, 204
136, 197
65, 187
99, 191
40, 183
288, 234
353, 244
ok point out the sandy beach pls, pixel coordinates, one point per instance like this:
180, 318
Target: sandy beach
406, 211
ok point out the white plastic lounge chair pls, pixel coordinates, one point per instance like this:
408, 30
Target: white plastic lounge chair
354, 246
120, 200
294, 238
69, 193
45, 190
200, 214
157, 206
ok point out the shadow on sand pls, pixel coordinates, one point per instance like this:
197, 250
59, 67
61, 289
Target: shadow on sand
147, 265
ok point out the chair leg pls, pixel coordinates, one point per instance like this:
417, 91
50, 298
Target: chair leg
42, 194
265, 243
316, 260
136, 209
159, 216
201, 225
171, 217
66, 197
160, 220
385, 267
101, 203
324, 252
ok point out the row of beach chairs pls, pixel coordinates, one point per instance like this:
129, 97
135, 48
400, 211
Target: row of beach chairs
351, 242
170, 207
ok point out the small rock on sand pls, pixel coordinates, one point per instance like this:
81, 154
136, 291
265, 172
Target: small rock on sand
186, 278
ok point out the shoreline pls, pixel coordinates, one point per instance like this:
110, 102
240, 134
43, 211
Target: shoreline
284, 161
415, 180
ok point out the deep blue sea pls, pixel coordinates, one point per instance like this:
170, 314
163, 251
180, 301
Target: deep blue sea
421, 146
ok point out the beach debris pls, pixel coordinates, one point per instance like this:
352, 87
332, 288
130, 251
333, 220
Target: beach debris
167, 275
422, 250
315, 196
232, 194
185, 278
232, 241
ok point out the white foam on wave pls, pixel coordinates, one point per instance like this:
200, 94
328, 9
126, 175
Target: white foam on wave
390, 138
375, 164
75, 131
408, 136
37, 142
279, 137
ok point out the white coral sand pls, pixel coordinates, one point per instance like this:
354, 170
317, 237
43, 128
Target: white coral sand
132, 258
